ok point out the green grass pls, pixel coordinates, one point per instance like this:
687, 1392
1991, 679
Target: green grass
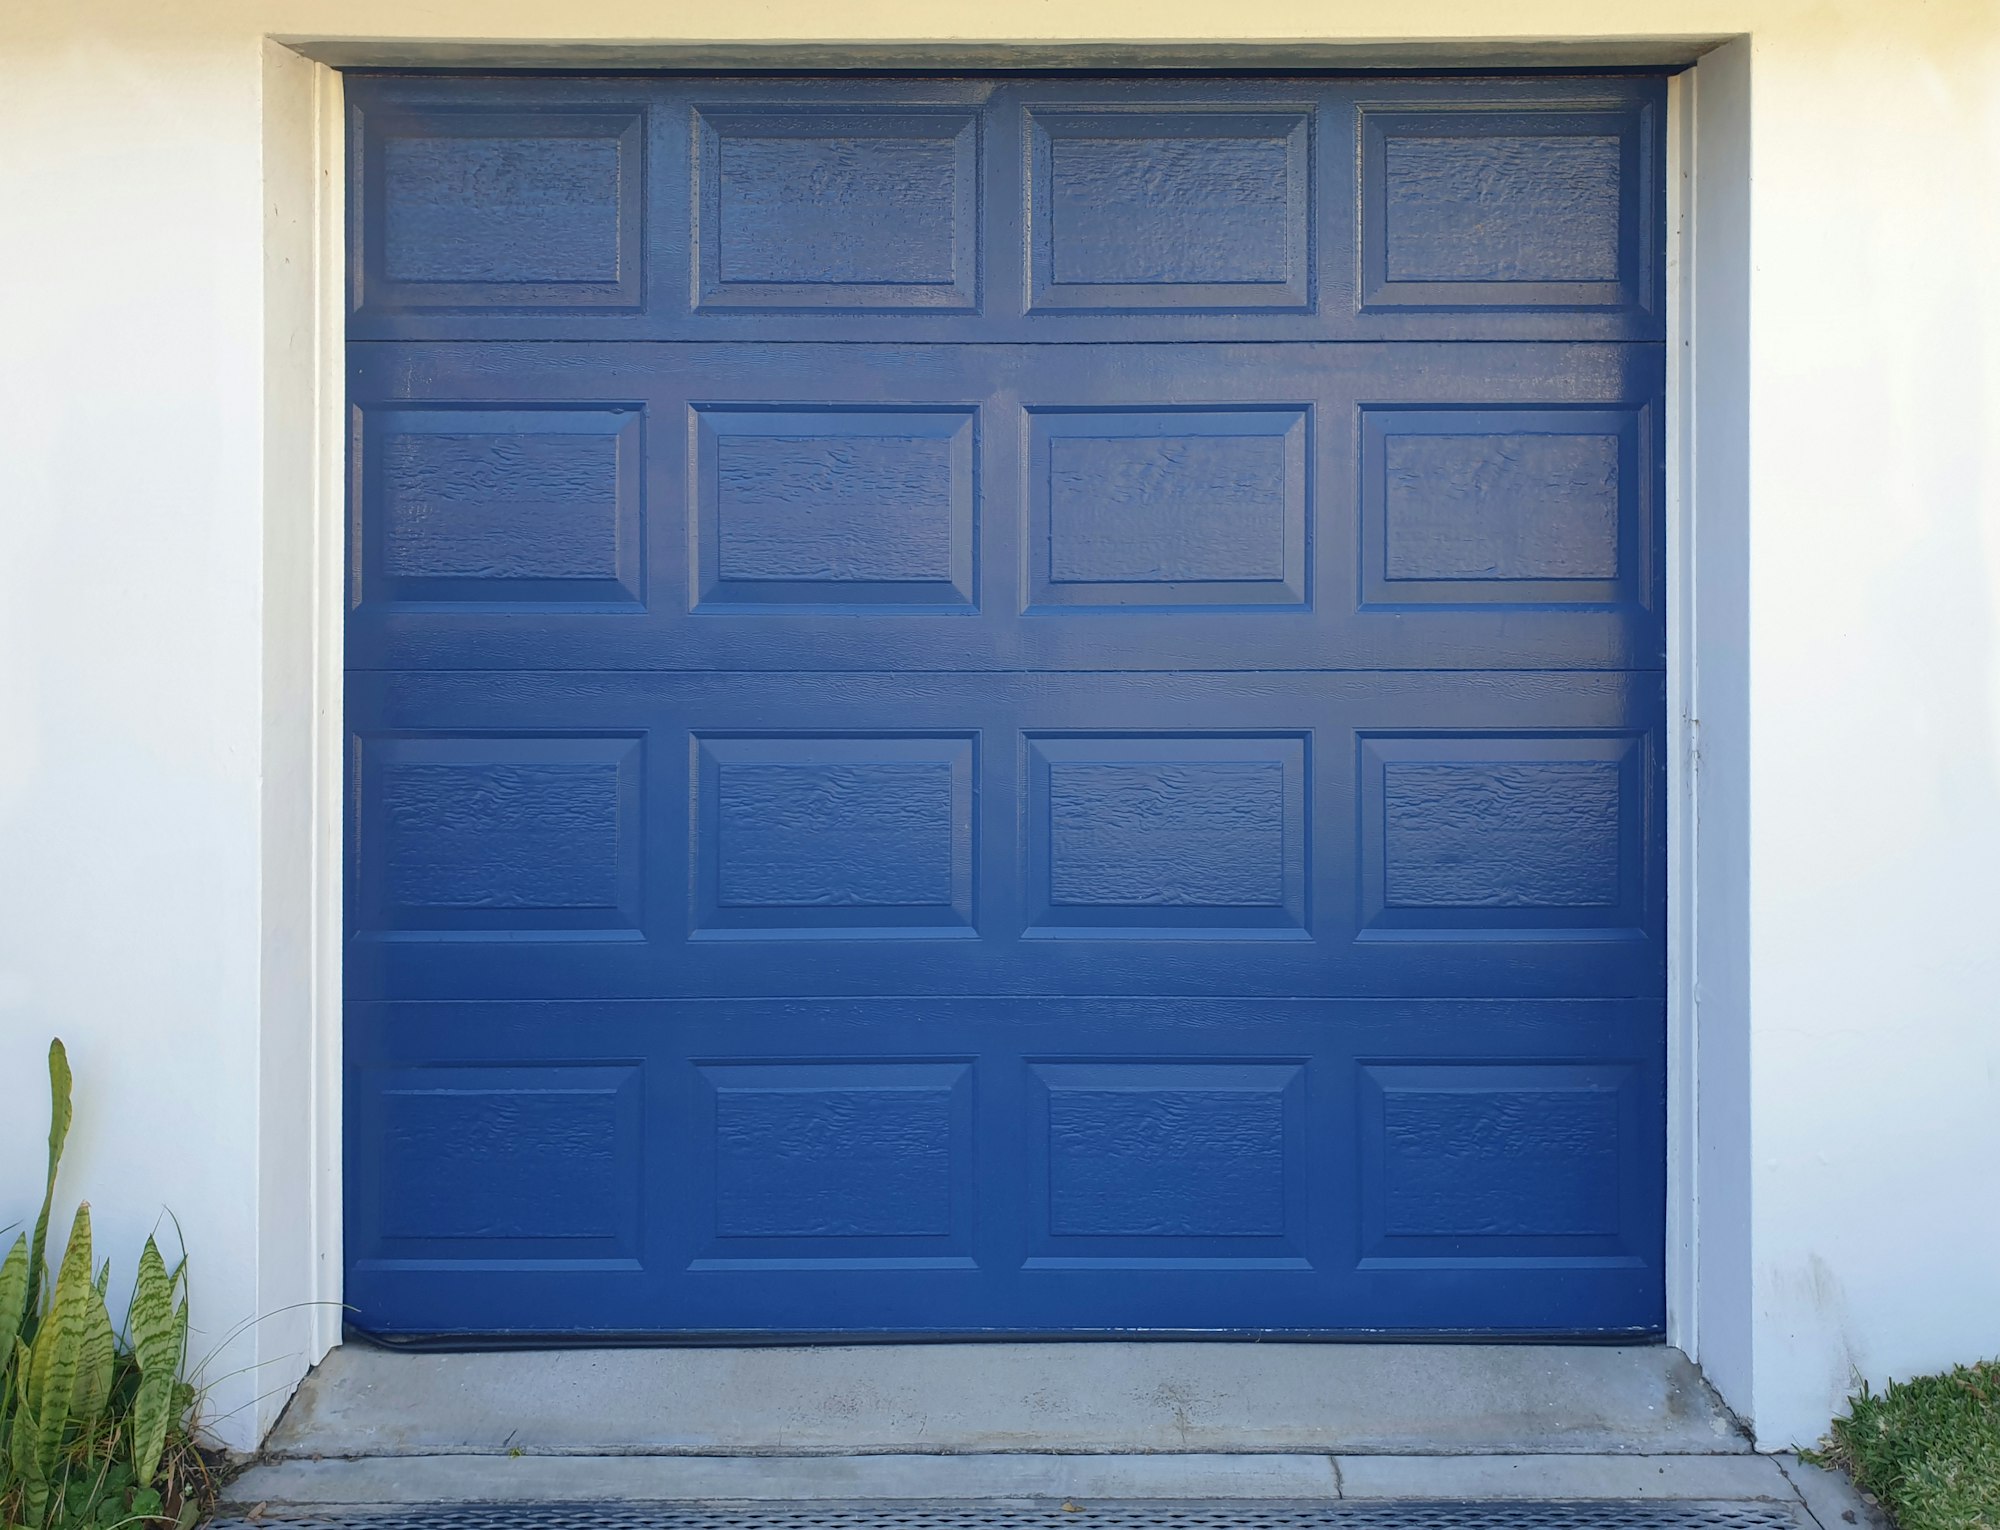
1929, 1449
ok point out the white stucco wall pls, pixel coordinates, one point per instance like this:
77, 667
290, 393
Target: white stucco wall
1875, 703
163, 331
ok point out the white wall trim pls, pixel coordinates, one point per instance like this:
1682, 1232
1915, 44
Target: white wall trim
329, 701
297, 1173
1708, 811
1683, 1229
1709, 1012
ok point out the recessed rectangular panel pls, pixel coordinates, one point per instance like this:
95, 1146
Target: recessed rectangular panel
500, 210
1478, 836
1503, 508
858, 1161
838, 207
1166, 835
1497, 1160
1194, 1161
1501, 833
500, 506
1514, 506
835, 507
466, 837
1152, 833
1523, 207
1167, 507
505, 505
807, 835
519, 1162
493, 208
1170, 210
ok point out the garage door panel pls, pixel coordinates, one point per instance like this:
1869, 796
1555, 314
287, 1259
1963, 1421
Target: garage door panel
854, 510
477, 204
997, 210
1225, 222
836, 1163
837, 206
1485, 1164
525, 1164
1008, 507
1015, 705
1463, 208
1043, 834
820, 1166
511, 508
486, 836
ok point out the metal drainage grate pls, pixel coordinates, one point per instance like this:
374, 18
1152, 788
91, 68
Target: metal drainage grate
1387, 1514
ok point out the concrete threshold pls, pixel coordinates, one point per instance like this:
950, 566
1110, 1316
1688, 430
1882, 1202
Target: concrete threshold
1097, 1398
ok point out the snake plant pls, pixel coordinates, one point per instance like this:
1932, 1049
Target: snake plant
87, 1416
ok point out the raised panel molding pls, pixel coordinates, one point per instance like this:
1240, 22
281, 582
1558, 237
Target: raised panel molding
1183, 1162
1170, 209
1148, 508
523, 1162
837, 208
1522, 207
1515, 505
1496, 836
833, 507
476, 837
812, 836
1526, 1162
834, 1160
1518, 207
501, 507
1167, 836
527, 210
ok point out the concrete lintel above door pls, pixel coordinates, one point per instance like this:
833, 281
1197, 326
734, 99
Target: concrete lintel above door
1432, 53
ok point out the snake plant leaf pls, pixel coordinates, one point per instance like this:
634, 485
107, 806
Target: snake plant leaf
13, 1296
24, 1457
27, 1473
21, 1438
157, 1334
59, 1344
96, 1357
149, 1325
152, 1414
59, 1118
34, 1501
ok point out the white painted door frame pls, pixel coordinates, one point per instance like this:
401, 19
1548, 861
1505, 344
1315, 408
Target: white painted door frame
307, 511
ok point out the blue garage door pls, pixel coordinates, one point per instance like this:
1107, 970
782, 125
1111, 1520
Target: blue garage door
1005, 705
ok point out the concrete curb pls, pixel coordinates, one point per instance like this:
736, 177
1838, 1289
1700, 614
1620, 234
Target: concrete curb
576, 1479
1831, 1497
1484, 1477
586, 1479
